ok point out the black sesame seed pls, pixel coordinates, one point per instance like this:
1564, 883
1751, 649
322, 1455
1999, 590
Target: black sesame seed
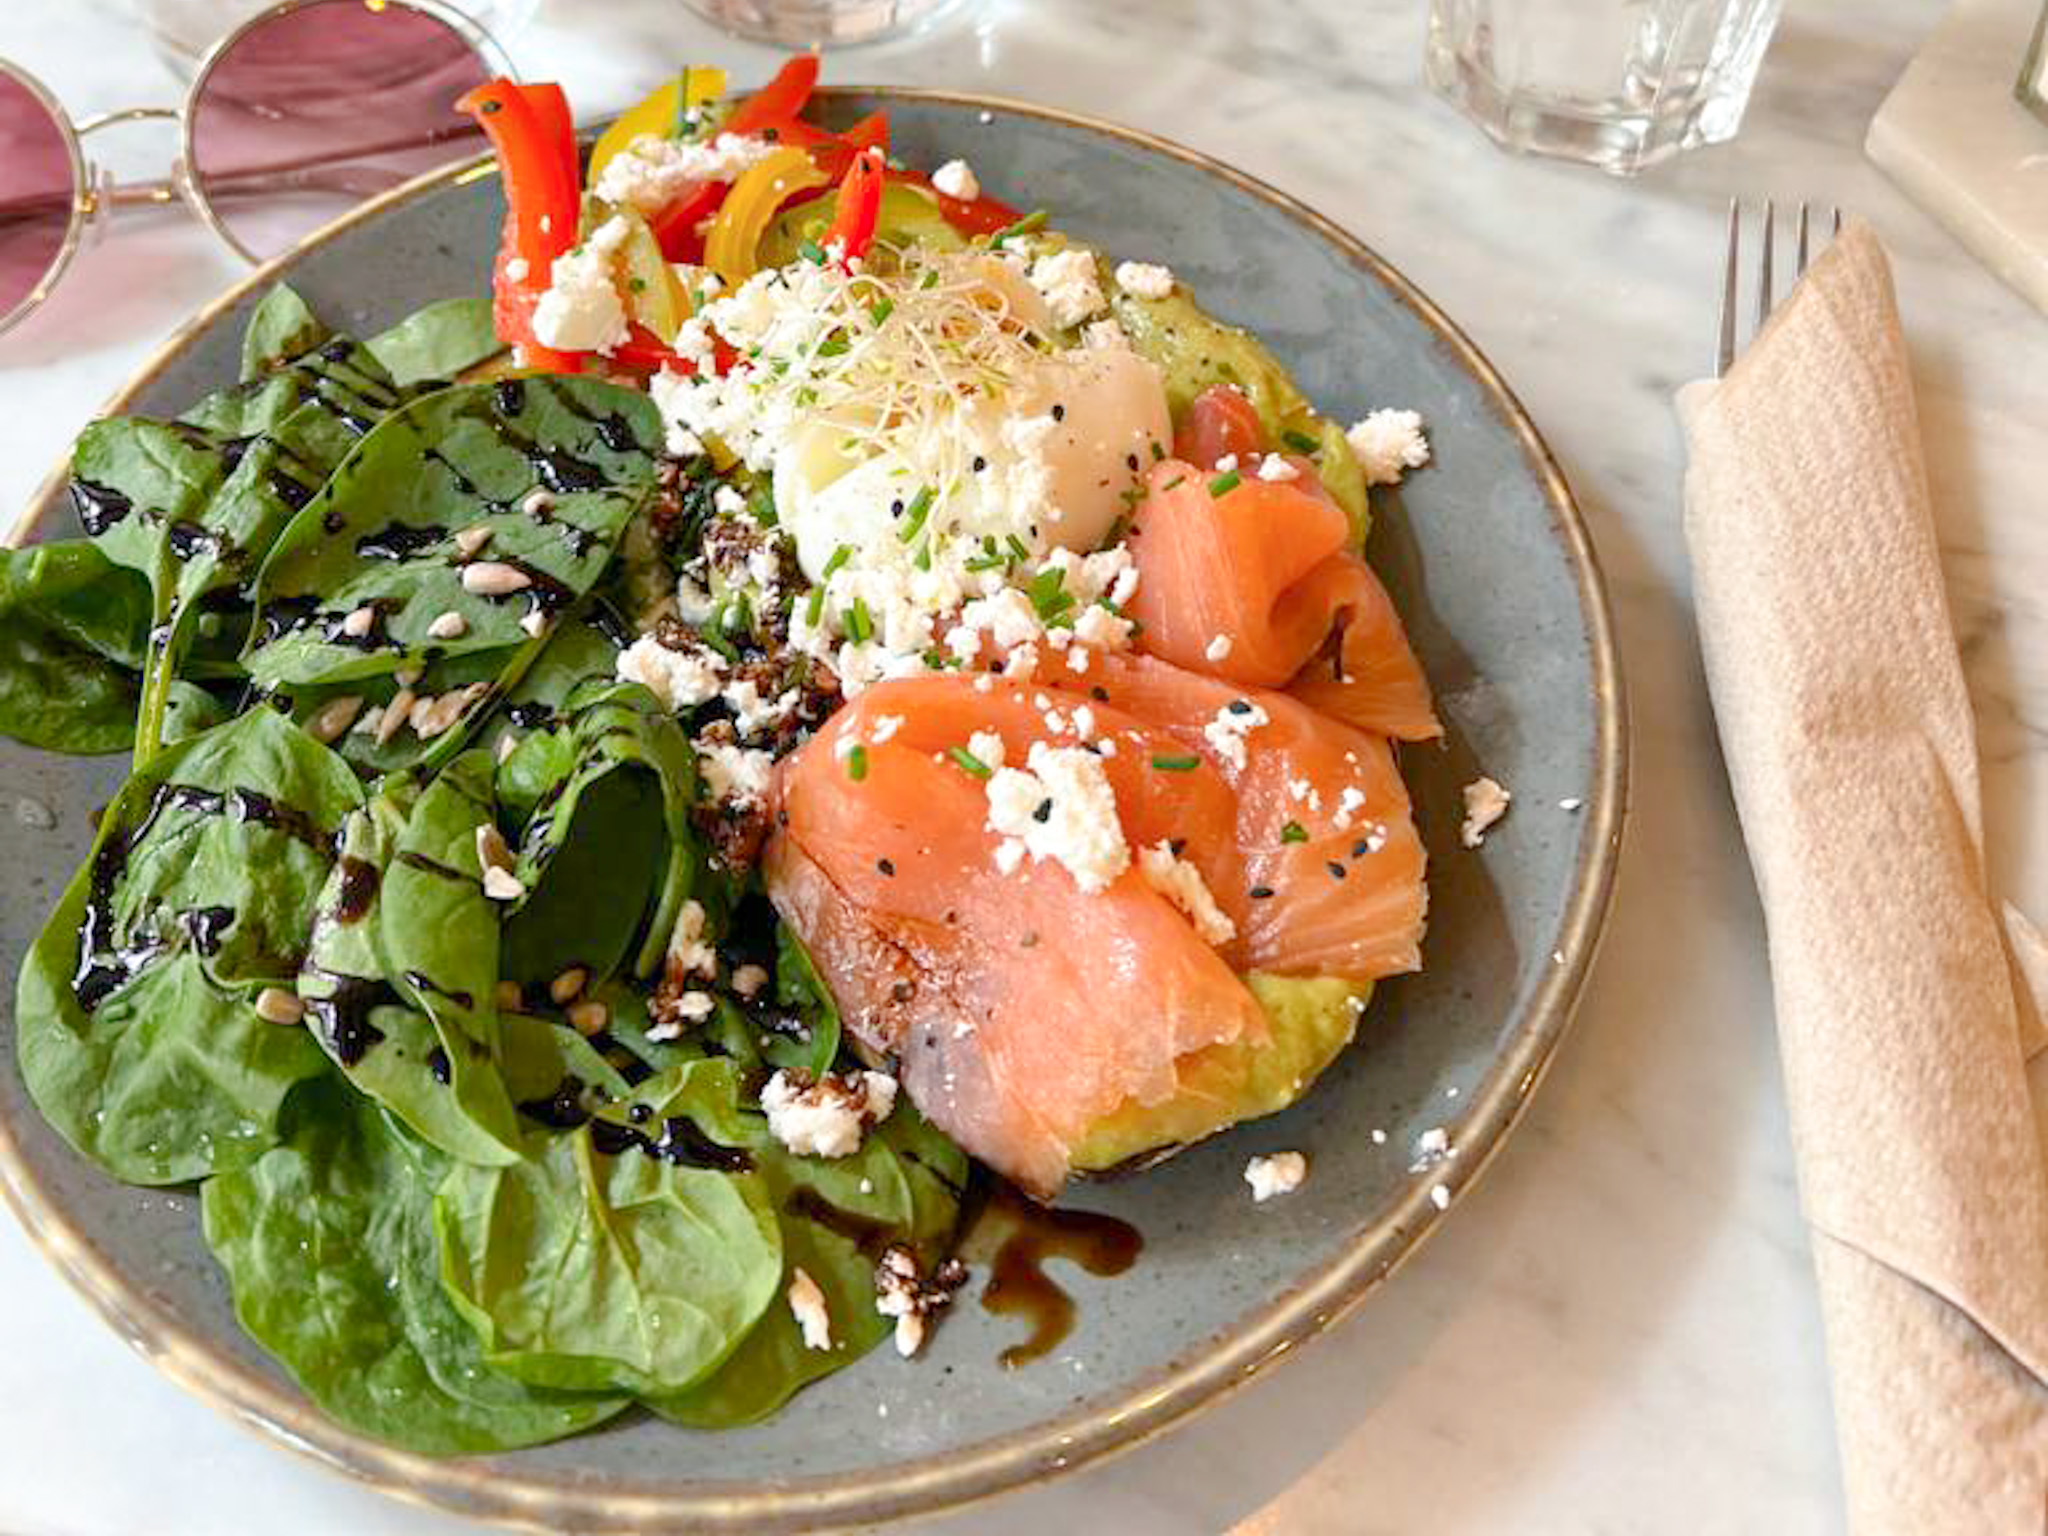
885, 866
1132, 460
1099, 694
1261, 892
1059, 413
980, 463
1178, 846
1239, 706
1042, 812
1361, 848
1336, 870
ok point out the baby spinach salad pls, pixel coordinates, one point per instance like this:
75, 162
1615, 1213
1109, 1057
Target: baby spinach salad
403, 939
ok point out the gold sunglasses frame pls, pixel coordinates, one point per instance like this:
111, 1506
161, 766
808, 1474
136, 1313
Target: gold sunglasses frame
93, 194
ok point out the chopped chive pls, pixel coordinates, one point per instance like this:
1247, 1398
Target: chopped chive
857, 763
968, 762
761, 506
881, 310
1176, 764
833, 346
812, 252
987, 563
860, 624
1294, 832
923, 559
1223, 485
915, 514
839, 558
637, 285
814, 610
1158, 453
1047, 593
1299, 441
1018, 551
929, 280
1024, 226
1176, 480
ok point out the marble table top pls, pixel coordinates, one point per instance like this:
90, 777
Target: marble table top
1618, 1332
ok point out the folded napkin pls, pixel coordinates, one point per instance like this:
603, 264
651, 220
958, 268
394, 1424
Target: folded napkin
1847, 732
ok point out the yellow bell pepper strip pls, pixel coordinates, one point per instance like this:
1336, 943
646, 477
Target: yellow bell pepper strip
860, 201
663, 113
529, 127
755, 199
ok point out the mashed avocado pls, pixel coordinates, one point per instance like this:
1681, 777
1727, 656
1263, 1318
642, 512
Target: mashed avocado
1312, 1019
1194, 350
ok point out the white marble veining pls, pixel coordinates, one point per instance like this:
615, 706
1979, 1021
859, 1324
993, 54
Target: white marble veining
1617, 1333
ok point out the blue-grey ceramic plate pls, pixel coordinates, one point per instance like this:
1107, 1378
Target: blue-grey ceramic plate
1489, 562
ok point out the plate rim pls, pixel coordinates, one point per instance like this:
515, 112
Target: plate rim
475, 1488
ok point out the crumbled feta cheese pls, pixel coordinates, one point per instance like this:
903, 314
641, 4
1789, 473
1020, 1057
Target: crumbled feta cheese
750, 980
1274, 468
1182, 884
1227, 732
1226, 464
1440, 1196
753, 715
1485, 803
581, 310
688, 954
728, 501
1105, 336
986, 748
1104, 630
1061, 807
1570, 803
807, 1305
1069, 283
903, 1291
884, 727
516, 270
1279, 1174
1143, 279
1217, 649
956, 179
1350, 801
826, 1116
1388, 444
1431, 1147
649, 173
680, 679
735, 775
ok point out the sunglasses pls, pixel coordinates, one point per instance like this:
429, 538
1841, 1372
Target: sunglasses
298, 113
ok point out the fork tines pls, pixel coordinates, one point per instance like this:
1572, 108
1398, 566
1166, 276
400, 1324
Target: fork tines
1764, 282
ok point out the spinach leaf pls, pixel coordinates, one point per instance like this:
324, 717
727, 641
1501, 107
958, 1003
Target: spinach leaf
138, 1035
195, 511
379, 541
622, 1255
606, 851
838, 1215
541, 1058
439, 342
280, 328
328, 1246
399, 984
799, 988
70, 625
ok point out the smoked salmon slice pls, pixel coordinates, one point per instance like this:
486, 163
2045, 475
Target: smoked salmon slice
1250, 579
1022, 1008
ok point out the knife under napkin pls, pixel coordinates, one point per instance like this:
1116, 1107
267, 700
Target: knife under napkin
1847, 730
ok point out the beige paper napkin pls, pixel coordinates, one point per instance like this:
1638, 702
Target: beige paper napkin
1849, 743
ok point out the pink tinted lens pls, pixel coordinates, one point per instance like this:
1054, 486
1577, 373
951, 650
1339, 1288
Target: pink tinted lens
36, 192
312, 111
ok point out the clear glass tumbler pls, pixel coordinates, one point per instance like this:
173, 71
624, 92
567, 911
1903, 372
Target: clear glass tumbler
1620, 84
821, 23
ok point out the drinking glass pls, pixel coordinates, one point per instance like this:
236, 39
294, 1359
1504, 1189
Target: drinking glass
820, 23
1620, 84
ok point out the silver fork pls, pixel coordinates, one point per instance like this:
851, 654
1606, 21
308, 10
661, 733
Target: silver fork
1765, 295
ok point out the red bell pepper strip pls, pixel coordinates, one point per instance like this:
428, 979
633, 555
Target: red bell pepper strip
837, 152
675, 227
528, 128
982, 215
780, 100
860, 203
